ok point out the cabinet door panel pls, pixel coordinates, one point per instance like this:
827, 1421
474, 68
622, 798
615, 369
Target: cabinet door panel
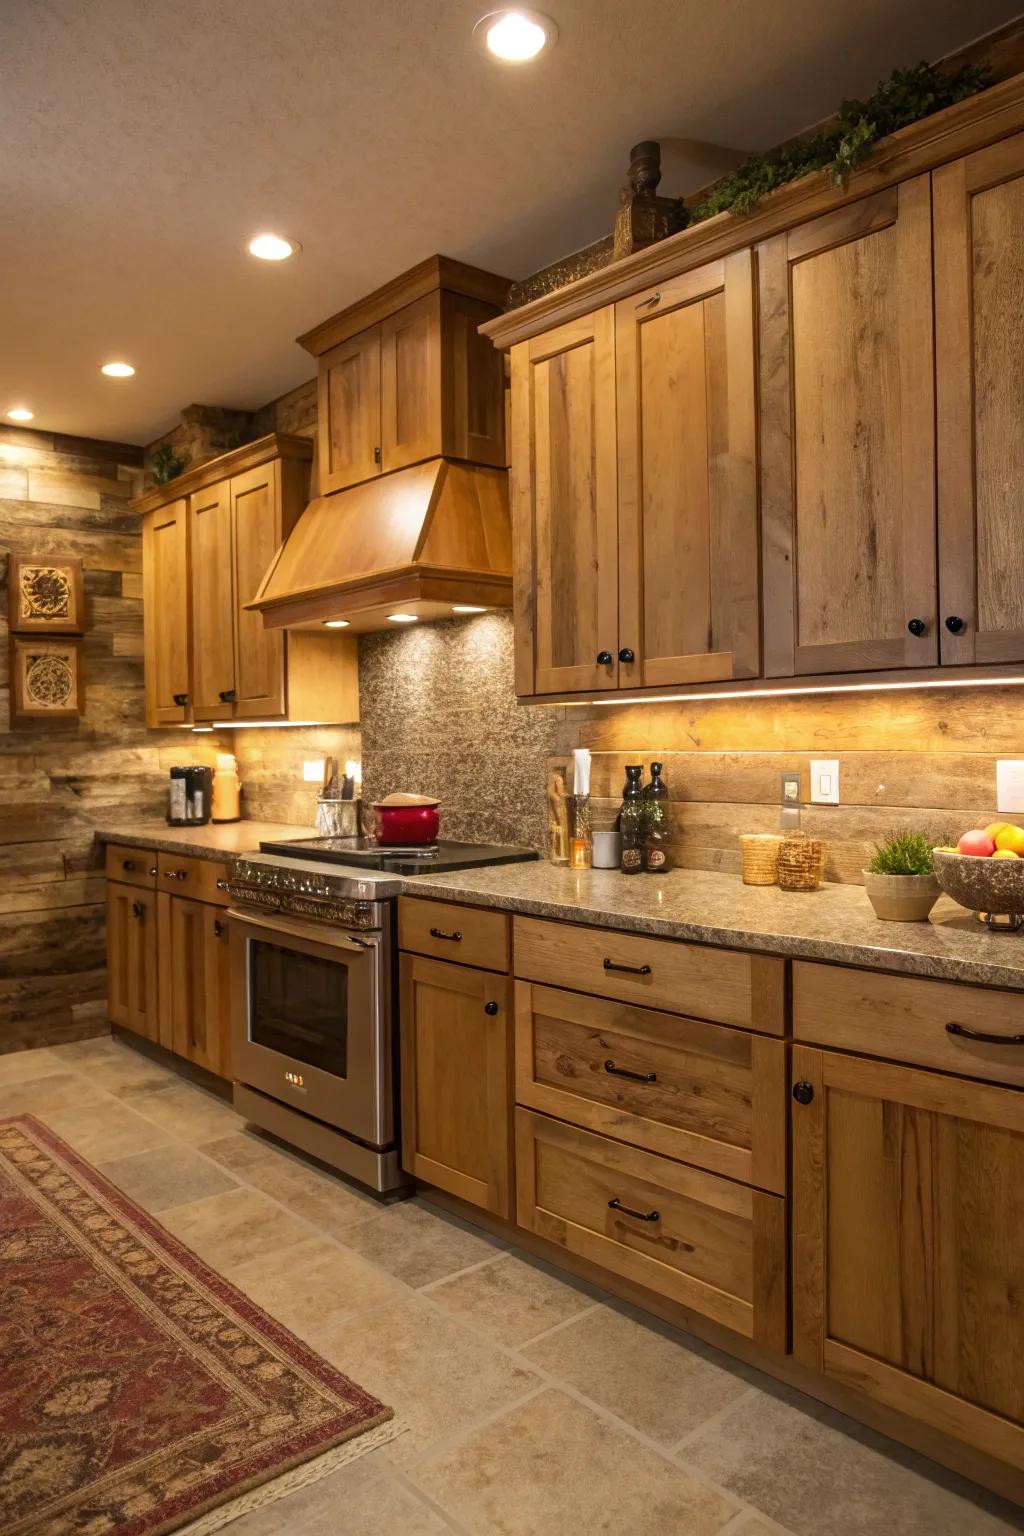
194, 991
410, 383
688, 524
979, 339
132, 958
457, 1081
568, 497
166, 617
848, 438
908, 1213
213, 602
348, 411
256, 534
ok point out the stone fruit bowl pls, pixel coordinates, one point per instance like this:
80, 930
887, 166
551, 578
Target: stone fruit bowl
983, 885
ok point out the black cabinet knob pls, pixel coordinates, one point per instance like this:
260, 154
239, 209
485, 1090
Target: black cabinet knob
917, 626
228, 695
181, 699
605, 658
491, 1009
803, 1093
954, 625
138, 910
626, 655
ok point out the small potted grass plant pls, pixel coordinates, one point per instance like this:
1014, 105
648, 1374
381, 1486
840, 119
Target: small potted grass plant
900, 881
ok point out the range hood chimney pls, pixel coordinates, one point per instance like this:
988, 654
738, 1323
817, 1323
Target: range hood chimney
413, 515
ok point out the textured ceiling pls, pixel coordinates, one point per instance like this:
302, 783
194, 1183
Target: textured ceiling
144, 140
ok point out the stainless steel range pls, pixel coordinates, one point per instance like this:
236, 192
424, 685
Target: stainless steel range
313, 957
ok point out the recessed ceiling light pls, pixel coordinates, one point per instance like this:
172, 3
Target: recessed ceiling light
467, 608
401, 618
20, 413
336, 623
270, 247
514, 37
118, 370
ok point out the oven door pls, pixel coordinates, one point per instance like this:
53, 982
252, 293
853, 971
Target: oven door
310, 1021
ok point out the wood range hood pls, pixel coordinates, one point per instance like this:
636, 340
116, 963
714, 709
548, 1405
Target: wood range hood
419, 541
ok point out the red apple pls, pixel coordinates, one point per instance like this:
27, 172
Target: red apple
976, 843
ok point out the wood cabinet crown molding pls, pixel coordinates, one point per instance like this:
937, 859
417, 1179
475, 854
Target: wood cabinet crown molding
437, 272
276, 445
946, 135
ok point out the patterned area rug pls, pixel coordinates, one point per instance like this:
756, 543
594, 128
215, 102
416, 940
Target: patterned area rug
139, 1392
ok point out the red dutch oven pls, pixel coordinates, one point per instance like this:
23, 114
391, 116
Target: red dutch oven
407, 820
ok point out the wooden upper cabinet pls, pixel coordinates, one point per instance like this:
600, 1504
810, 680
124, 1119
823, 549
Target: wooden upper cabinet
213, 602
687, 497
565, 511
907, 1215
348, 411
979, 339
405, 376
166, 618
256, 533
410, 383
848, 438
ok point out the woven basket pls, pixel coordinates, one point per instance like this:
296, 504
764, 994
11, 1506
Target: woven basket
759, 854
801, 863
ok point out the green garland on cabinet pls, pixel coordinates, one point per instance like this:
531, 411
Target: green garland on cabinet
907, 96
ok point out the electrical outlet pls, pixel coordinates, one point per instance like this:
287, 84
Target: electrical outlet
789, 792
825, 781
1010, 785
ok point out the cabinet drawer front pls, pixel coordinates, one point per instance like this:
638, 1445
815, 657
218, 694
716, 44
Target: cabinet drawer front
184, 876
904, 1018
719, 984
709, 1244
469, 935
708, 1095
131, 866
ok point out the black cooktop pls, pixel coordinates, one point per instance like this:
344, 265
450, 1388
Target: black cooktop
431, 858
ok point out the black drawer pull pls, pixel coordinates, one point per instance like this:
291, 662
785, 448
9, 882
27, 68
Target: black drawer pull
631, 970
129, 864
175, 874
138, 910
977, 1034
219, 928
454, 937
617, 1205
637, 1077
228, 695
181, 699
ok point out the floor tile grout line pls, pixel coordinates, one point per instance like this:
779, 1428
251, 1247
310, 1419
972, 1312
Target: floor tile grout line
713, 1419
567, 1322
421, 1494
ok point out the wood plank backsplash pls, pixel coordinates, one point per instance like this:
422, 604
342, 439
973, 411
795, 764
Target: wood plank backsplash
58, 783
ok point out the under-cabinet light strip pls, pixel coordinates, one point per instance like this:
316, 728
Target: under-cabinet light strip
788, 693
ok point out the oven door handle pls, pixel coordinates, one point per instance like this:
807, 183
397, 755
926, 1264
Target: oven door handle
284, 927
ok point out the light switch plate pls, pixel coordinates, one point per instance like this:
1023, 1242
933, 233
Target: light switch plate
1010, 785
789, 788
825, 781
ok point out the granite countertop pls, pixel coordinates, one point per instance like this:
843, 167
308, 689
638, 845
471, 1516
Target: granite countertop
226, 840
835, 922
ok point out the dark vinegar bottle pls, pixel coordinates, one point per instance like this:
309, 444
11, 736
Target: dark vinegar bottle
631, 821
656, 842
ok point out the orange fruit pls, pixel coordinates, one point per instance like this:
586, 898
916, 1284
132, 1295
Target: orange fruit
1005, 853
995, 828
1011, 839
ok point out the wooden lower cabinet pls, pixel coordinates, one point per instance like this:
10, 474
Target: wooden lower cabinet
132, 958
195, 1015
704, 1094
908, 1253
708, 1243
457, 1080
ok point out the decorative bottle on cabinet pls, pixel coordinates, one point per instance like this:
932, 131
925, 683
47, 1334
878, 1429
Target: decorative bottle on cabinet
656, 823
631, 821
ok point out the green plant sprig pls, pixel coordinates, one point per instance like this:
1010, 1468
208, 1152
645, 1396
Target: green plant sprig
906, 97
903, 853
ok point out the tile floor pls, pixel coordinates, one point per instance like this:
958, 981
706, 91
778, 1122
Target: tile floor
532, 1403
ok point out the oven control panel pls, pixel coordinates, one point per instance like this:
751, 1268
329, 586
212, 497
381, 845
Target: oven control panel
302, 891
